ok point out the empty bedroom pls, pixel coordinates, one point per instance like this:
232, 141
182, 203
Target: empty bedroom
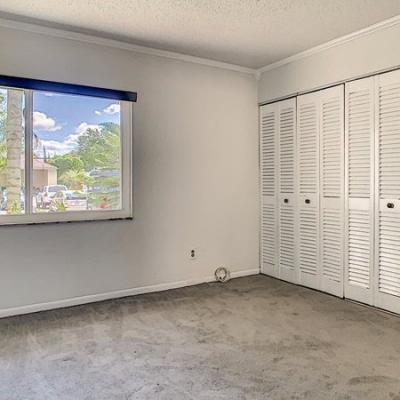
200, 200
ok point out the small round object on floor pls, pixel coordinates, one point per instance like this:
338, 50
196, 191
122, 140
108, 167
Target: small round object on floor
222, 274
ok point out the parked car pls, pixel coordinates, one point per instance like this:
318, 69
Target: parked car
76, 200
43, 199
68, 200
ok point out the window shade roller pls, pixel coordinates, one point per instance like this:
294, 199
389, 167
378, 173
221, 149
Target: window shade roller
67, 88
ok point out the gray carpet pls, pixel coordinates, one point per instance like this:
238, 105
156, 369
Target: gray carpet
252, 338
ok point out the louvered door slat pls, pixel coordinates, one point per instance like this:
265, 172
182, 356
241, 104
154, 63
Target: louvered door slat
389, 253
287, 188
308, 244
331, 147
268, 225
332, 189
268, 133
287, 240
359, 254
287, 147
307, 144
269, 126
308, 264
387, 154
359, 216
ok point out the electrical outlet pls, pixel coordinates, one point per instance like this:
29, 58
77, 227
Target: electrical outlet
192, 254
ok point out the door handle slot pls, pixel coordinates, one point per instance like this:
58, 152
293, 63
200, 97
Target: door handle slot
307, 201
286, 200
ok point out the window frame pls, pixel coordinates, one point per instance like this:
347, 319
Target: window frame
31, 218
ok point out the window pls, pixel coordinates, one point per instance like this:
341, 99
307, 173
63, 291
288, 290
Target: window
65, 154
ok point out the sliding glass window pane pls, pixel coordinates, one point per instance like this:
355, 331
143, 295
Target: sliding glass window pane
76, 153
12, 159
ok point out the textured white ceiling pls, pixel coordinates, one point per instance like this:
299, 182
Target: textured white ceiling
251, 33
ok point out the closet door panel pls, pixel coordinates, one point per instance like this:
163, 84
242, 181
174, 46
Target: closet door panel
269, 189
287, 190
332, 189
308, 264
287, 240
387, 174
359, 205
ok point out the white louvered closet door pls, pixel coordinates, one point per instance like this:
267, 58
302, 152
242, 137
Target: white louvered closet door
359, 205
269, 189
287, 189
387, 203
332, 189
308, 264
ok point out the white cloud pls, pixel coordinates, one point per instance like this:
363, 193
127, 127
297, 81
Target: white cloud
44, 123
73, 138
84, 126
69, 143
53, 147
112, 109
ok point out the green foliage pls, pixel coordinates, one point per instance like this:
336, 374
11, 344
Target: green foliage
67, 162
60, 206
97, 149
100, 148
3, 155
75, 179
14, 208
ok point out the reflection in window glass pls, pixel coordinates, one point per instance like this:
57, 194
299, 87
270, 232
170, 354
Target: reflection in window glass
12, 160
76, 153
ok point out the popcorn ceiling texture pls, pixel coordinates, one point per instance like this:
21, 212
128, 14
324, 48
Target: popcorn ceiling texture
251, 33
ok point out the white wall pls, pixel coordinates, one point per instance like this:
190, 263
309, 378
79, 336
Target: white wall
195, 178
366, 54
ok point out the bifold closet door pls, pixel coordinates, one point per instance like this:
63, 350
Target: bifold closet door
278, 187
332, 189
387, 202
269, 152
359, 188
287, 189
320, 167
330, 183
308, 233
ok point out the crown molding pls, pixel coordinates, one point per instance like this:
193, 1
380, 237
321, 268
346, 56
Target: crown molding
82, 37
388, 23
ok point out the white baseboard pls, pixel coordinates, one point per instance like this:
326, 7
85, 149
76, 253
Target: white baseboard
246, 272
74, 301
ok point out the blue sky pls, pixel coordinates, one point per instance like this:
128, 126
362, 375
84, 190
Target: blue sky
59, 119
